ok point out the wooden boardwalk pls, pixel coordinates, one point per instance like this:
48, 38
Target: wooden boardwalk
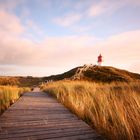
38, 116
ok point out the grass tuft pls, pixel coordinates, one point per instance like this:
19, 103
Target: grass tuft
113, 109
8, 95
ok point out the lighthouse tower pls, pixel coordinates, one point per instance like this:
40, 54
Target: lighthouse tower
100, 60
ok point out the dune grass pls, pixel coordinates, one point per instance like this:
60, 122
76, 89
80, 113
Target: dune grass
112, 109
8, 95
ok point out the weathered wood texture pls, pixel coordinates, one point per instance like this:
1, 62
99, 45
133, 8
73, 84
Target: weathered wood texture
38, 116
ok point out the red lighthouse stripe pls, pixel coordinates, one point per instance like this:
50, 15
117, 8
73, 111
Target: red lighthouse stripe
99, 58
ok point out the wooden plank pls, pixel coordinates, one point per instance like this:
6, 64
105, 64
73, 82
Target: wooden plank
47, 132
42, 128
49, 135
37, 116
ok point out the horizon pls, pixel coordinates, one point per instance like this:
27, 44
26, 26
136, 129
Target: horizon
42, 38
61, 72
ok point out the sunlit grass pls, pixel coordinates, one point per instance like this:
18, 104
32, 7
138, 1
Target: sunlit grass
113, 109
8, 95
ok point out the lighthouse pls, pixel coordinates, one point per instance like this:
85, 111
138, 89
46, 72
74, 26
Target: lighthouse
100, 60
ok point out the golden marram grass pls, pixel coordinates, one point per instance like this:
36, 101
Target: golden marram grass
113, 109
8, 95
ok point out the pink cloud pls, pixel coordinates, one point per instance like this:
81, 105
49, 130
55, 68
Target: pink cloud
105, 7
10, 23
120, 50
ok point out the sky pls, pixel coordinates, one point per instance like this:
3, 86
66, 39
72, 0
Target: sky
46, 37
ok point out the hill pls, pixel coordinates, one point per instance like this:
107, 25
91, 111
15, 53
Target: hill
86, 72
97, 74
28, 81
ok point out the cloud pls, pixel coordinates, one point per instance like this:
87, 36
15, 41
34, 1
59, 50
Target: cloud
68, 19
31, 25
10, 23
105, 7
63, 53
87, 10
108, 7
66, 51
97, 9
93, 9
25, 12
10, 5
13, 48
120, 50
16, 50
132, 2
